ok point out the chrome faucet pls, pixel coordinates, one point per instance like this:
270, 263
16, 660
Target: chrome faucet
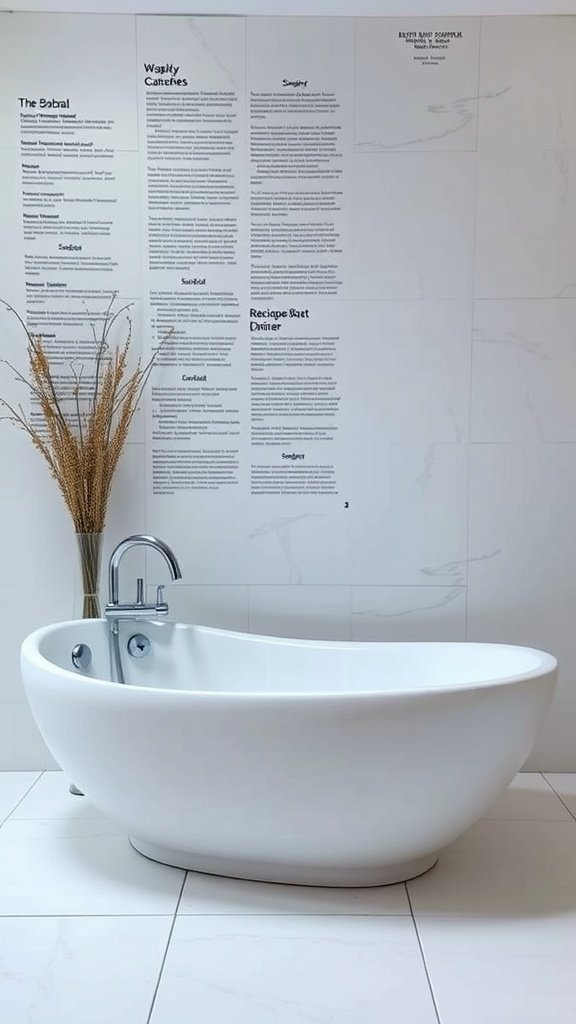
115, 611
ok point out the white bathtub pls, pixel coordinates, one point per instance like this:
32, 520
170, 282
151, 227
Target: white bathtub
336, 763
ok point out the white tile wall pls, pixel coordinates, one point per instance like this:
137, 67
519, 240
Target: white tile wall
409, 613
413, 225
527, 84
313, 613
409, 528
400, 110
526, 220
420, 352
521, 502
524, 357
459, 459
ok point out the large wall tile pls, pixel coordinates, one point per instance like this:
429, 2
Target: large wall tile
305, 612
521, 505
409, 613
422, 97
207, 532
413, 225
524, 358
526, 224
410, 527
521, 509
220, 607
294, 540
410, 375
528, 83
21, 746
554, 748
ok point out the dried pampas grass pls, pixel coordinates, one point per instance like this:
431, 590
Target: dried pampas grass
82, 430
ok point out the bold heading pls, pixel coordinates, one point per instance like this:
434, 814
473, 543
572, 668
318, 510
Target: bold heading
276, 315
430, 35
43, 103
163, 74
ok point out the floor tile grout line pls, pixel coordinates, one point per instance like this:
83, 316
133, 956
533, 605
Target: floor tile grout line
162, 965
548, 783
23, 797
93, 915
213, 914
421, 948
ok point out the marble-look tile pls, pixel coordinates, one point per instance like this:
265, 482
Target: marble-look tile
528, 798
564, 783
21, 745
13, 788
526, 225
23, 468
413, 225
554, 747
77, 38
220, 607
527, 84
297, 540
51, 798
521, 503
409, 381
328, 42
28, 557
79, 866
305, 612
62, 970
409, 613
209, 894
409, 528
517, 969
524, 365
254, 969
502, 869
24, 609
207, 532
210, 51
422, 96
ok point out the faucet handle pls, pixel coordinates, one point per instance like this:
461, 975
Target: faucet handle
161, 606
140, 590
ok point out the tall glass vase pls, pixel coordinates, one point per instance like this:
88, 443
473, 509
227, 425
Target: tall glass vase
86, 588
87, 599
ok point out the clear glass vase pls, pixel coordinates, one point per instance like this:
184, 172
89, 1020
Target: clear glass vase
87, 597
87, 588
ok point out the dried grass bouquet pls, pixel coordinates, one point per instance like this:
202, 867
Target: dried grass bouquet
80, 424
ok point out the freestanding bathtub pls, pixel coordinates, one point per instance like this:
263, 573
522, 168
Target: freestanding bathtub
319, 763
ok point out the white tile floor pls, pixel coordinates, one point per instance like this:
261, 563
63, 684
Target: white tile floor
90, 931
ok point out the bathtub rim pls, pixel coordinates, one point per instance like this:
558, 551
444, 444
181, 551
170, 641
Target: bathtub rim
548, 665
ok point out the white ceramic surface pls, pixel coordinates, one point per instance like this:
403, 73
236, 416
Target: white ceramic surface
320, 763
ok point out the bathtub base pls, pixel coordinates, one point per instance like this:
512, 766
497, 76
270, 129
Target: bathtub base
291, 874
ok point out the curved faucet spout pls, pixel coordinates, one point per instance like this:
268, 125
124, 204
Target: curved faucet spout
115, 611
139, 540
